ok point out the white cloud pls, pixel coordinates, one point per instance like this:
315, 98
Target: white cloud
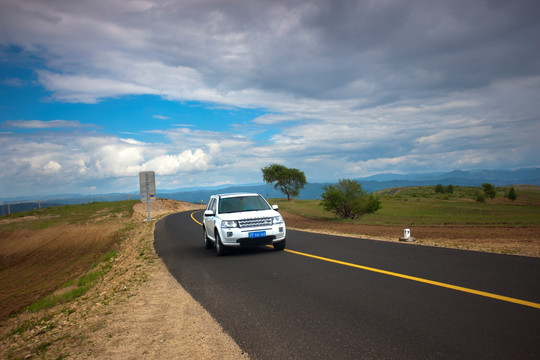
131, 141
85, 89
39, 124
52, 167
350, 88
272, 119
185, 162
70, 160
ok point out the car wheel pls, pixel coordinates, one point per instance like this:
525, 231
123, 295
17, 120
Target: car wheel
207, 242
278, 246
220, 249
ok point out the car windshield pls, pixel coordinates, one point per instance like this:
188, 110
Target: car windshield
242, 203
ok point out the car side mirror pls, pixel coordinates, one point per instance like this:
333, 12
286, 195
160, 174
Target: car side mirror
209, 213
275, 207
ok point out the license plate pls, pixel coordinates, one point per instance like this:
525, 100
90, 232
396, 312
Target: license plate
257, 234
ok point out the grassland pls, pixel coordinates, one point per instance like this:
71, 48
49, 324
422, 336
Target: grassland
68, 214
449, 220
423, 206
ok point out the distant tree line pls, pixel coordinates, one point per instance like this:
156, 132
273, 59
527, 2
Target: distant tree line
347, 199
489, 191
440, 189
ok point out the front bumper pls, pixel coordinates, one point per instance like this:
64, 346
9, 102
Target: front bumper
239, 237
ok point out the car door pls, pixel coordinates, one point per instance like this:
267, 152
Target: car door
209, 221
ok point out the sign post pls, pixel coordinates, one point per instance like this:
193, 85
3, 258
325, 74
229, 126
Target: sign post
147, 181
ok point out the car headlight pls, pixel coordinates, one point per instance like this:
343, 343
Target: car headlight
229, 224
277, 220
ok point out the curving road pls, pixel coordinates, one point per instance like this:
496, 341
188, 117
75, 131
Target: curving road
329, 297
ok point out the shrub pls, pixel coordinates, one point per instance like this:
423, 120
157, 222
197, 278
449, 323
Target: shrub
480, 197
489, 190
348, 200
512, 194
444, 189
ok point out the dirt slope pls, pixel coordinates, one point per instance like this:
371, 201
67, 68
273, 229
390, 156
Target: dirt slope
36, 262
137, 311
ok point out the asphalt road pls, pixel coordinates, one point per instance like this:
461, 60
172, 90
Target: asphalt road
285, 305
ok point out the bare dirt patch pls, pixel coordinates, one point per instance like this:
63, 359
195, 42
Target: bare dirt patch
498, 239
35, 262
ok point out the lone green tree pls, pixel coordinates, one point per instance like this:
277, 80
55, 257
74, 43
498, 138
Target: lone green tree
289, 181
489, 190
348, 200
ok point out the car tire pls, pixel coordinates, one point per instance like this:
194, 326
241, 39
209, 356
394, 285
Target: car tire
207, 242
220, 248
278, 246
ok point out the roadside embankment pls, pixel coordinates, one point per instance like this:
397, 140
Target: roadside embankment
135, 310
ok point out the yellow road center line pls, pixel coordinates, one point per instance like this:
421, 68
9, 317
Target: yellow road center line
200, 223
414, 278
426, 281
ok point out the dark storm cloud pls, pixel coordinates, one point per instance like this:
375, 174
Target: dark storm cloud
347, 49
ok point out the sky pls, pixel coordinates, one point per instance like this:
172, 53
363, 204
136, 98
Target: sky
208, 92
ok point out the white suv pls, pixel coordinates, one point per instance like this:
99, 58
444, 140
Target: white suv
242, 219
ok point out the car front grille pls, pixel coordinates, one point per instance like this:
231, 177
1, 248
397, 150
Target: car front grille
255, 222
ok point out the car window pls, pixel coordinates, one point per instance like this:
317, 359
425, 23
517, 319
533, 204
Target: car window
242, 203
212, 205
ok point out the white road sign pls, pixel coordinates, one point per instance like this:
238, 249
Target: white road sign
147, 180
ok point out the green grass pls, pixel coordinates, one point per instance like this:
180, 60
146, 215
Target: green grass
70, 214
422, 206
33, 323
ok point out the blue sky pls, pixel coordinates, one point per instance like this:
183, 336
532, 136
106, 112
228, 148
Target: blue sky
207, 93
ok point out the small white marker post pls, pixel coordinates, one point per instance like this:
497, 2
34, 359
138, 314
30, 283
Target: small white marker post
147, 181
407, 236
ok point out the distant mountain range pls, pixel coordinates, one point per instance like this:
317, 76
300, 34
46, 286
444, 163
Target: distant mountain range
530, 176
380, 182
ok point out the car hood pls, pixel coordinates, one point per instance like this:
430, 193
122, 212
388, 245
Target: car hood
249, 215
